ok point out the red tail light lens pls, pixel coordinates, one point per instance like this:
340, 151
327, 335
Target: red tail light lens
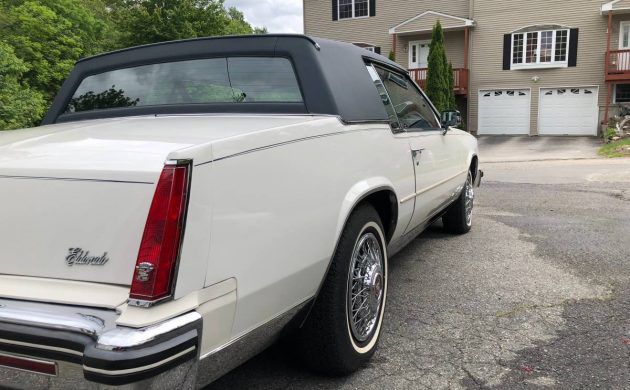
159, 249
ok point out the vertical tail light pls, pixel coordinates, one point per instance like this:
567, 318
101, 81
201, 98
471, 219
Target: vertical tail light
153, 278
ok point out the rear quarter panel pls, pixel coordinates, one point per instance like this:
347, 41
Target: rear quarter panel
277, 212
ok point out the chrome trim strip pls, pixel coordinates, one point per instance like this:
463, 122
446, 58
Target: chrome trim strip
230, 355
248, 332
72, 179
40, 346
125, 338
138, 369
87, 321
408, 198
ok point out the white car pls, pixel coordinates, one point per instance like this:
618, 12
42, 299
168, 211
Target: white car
185, 203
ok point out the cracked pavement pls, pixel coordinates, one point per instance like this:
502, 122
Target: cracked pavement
537, 295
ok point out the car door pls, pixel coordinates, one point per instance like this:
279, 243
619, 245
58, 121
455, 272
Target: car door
432, 152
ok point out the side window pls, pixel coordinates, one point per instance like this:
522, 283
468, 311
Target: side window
389, 107
412, 109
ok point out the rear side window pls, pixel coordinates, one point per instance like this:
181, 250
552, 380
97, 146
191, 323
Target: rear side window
205, 81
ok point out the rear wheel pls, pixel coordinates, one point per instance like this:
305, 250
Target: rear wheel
343, 329
458, 218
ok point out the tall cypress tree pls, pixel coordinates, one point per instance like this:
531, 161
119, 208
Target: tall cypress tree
452, 105
438, 88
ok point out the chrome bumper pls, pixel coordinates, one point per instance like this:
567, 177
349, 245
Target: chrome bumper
88, 349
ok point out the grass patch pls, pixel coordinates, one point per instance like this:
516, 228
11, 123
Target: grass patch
616, 149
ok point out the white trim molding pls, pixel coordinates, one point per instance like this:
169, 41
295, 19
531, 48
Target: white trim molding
609, 7
465, 22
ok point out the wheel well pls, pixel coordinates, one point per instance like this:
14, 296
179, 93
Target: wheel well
386, 205
473, 167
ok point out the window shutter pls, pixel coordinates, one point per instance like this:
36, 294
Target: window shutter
573, 46
507, 51
372, 7
377, 50
335, 8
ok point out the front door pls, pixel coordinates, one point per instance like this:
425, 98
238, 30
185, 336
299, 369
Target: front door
419, 54
437, 159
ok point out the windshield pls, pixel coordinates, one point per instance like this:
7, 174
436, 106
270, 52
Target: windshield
204, 81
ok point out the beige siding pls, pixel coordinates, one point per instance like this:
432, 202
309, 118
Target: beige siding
374, 30
496, 18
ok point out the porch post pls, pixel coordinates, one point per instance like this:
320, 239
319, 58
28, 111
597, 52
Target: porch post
394, 45
606, 65
465, 72
466, 44
608, 97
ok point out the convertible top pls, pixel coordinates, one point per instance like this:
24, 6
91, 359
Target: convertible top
331, 75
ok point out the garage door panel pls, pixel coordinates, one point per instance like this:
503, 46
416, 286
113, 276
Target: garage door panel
568, 111
504, 111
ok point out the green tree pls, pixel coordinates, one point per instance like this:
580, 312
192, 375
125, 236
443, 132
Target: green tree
149, 21
20, 106
452, 105
260, 30
438, 88
51, 35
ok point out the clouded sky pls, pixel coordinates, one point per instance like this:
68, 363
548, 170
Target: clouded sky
279, 16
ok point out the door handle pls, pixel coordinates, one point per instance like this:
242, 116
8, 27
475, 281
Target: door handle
416, 152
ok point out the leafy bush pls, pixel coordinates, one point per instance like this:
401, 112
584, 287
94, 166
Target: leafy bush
609, 134
20, 105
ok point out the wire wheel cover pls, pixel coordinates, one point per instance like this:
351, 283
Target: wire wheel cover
366, 286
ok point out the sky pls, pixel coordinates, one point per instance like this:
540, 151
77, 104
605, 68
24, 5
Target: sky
279, 16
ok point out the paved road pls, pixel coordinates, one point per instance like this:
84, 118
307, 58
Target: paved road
536, 296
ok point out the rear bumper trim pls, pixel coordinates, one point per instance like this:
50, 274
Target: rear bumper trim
40, 346
140, 369
115, 356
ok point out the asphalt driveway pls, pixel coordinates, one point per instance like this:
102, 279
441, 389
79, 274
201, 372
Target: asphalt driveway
536, 296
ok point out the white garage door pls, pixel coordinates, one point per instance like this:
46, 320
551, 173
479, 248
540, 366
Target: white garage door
504, 111
568, 111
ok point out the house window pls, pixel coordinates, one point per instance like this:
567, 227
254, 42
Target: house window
532, 48
562, 39
360, 8
517, 55
349, 9
537, 49
345, 9
622, 93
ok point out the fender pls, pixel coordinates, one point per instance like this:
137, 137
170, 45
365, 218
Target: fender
357, 194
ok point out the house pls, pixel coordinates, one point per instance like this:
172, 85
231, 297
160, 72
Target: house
537, 67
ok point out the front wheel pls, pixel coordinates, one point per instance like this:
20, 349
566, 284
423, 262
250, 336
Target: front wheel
458, 217
344, 326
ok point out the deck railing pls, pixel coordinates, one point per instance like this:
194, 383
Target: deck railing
460, 75
618, 65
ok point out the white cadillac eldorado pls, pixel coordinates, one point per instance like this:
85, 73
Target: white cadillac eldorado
184, 204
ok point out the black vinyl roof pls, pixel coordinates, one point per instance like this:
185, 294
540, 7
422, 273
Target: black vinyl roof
331, 74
